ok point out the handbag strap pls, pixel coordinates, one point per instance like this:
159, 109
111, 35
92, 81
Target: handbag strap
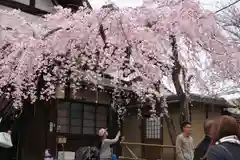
229, 153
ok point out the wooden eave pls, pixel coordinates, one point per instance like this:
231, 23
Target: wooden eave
31, 9
200, 99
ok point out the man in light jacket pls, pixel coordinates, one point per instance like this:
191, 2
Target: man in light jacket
184, 143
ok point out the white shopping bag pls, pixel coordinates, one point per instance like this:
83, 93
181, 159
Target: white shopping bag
47, 155
5, 140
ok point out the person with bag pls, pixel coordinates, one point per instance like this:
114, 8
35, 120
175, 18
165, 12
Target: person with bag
105, 150
225, 134
5, 148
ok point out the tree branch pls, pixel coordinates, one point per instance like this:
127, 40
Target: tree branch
177, 67
51, 32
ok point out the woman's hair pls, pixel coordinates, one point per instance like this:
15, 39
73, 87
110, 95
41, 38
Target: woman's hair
224, 126
207, 126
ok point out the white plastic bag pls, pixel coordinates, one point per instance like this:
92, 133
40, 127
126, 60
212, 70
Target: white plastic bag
5, 140
47, 155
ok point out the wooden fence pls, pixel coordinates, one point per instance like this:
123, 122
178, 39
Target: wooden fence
134, 156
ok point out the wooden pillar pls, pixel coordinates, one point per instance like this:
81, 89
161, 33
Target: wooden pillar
206, 111
51, 139
32, 138
161, 136
142, 129
190, 111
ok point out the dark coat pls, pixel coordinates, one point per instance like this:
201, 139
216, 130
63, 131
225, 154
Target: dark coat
202, 148
230, 151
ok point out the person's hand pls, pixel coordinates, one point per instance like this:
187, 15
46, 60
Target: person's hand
119, 133
9, 132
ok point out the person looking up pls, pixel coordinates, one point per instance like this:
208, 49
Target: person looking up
105, 150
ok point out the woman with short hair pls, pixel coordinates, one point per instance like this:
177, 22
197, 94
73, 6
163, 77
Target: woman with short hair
225, 134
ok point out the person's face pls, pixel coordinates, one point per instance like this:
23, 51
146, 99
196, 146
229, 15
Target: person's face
187, 129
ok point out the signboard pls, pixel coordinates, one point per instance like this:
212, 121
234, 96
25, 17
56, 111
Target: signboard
61, 140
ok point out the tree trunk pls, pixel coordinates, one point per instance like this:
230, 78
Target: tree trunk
176, 70
184, 108
170, 125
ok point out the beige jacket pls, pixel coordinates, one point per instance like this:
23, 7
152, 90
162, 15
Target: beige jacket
184, 147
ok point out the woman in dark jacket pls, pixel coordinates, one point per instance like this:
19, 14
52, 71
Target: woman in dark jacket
225, 136
6, 126
202, 147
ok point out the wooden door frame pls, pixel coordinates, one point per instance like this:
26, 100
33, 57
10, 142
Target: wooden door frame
50, 140
143, 132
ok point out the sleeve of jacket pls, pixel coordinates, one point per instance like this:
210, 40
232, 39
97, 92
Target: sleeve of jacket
213, 154
198, 153
179, 148
5, 124
112, 141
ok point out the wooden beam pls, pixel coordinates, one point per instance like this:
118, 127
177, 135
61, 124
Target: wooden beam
32, 3
147, 144
206, 111
130, 158
23, 7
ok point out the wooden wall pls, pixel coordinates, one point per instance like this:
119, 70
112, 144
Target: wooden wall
132, 133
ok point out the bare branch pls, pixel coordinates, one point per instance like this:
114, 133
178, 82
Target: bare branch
177, 66
230, 22
51, 32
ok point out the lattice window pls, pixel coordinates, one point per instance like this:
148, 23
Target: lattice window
89, 119
79, 118
153, 128
76, 110
63, 117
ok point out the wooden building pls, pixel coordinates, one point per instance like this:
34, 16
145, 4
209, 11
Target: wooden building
156, 132
75, 120
63, 124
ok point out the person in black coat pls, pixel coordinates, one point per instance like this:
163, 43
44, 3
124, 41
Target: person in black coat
201, 149
6, 126
225, 134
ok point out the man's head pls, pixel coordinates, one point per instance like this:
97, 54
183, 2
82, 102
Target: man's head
186, 128
207, 126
